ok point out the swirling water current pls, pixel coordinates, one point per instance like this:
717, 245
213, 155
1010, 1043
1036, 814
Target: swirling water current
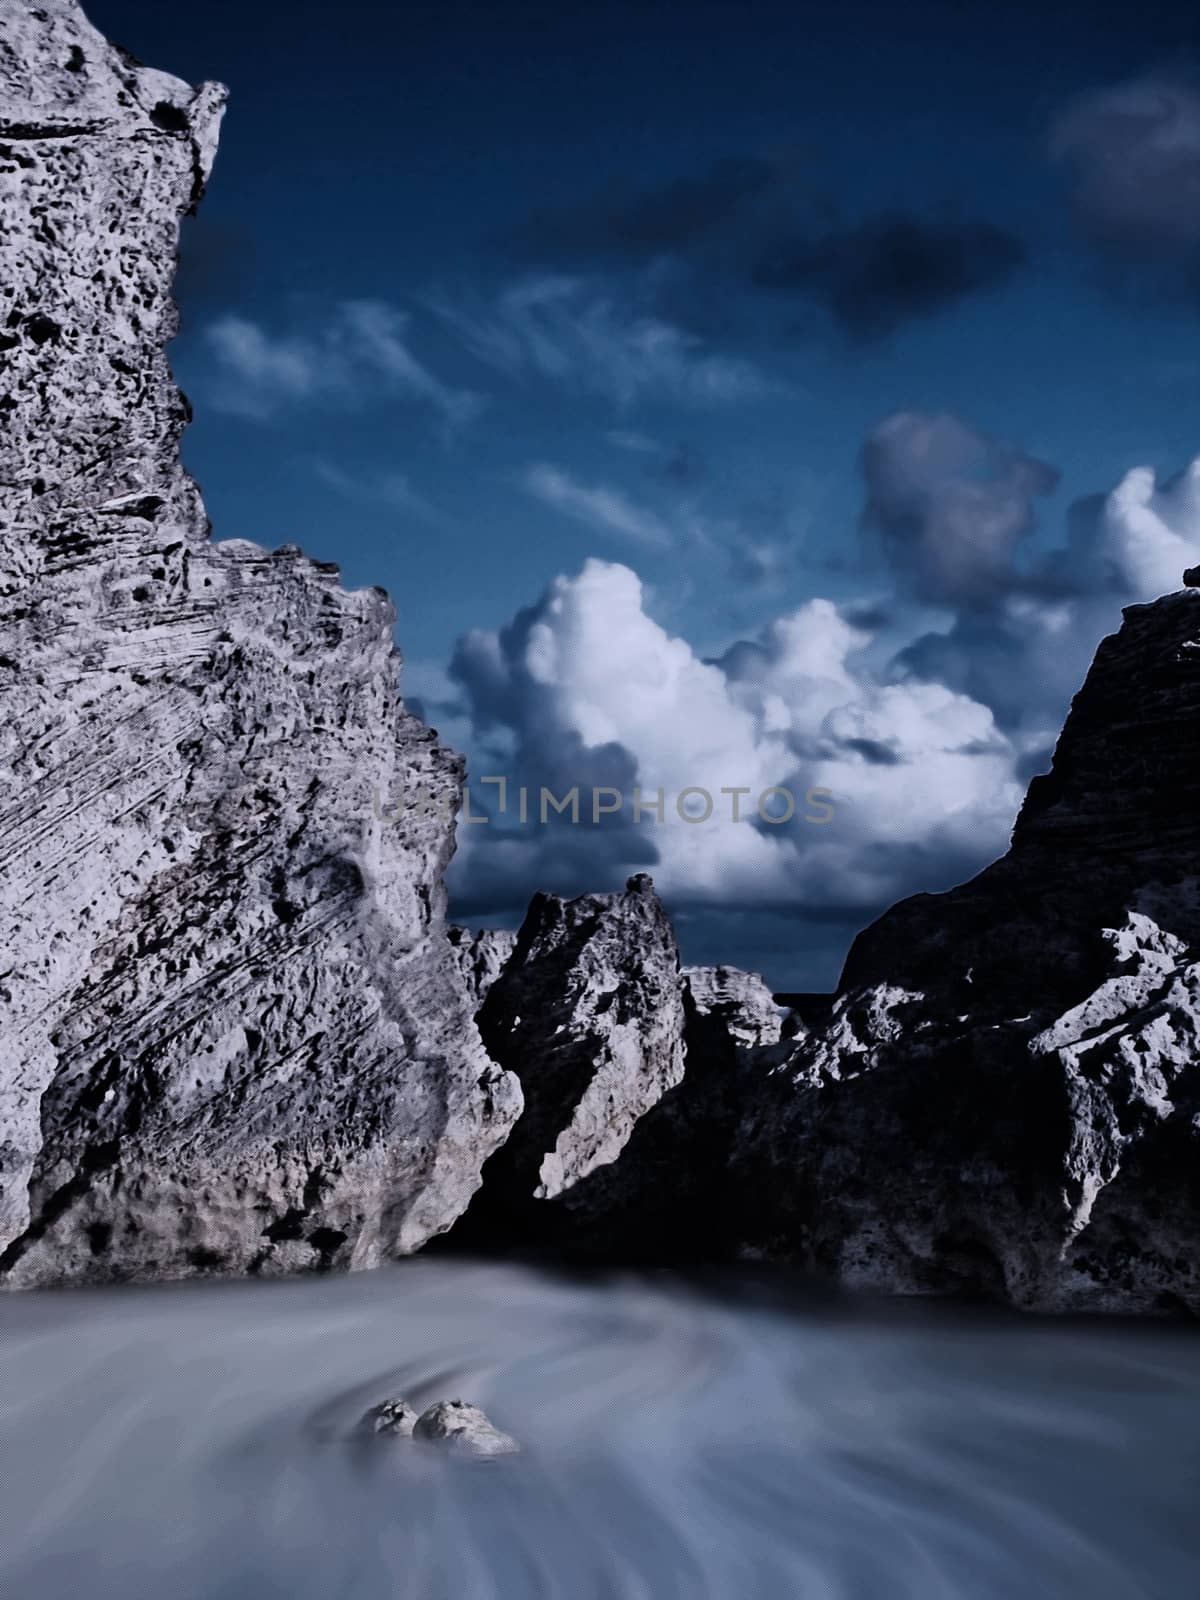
682, 1441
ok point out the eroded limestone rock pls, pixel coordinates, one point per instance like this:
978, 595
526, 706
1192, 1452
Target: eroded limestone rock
464, 1430
740, 1001
233, 1036
392, 1419
481, 957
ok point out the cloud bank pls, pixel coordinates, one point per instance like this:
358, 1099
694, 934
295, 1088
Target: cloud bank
585, 688
924, 754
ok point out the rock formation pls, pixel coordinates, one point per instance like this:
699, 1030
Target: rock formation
234, 1036
464, 1430
634, 1075
452, 1425
391, 1419
588, 1012
235, 1033
481, 957
1006, 1097
740, 1001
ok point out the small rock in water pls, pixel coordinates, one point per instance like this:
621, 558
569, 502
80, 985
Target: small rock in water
394, 1419
464, 1428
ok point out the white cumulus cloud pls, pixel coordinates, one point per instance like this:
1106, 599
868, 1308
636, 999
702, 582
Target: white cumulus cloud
587, 688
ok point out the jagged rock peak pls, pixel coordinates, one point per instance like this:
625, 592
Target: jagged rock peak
588, 1013
481, 956
1006, 1097
233, 1036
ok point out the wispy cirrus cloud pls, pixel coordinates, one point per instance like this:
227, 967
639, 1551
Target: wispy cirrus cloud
573, 332
602, 507
361, 348
391, 489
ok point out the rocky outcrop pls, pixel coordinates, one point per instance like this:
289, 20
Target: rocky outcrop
464, 1430
740, 1001
1006, 1097
634, 1074
452, 1425
481, 957
391, 1419
588, 1013
233, 1034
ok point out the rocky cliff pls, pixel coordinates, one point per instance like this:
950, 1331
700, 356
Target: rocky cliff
1006, 1098
234, 1036
634, 1073
235, 1033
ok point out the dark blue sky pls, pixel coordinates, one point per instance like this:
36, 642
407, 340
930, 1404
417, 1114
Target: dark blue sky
481, 291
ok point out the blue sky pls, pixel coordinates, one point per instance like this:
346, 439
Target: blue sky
815, 319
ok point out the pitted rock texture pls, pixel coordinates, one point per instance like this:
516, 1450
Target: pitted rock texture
1006, 1098
482, 957
233, 1035
391, 1419
464, 1430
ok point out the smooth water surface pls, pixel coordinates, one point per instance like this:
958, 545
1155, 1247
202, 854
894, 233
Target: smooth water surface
189, 1442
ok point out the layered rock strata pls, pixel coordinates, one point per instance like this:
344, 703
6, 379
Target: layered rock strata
233, 1035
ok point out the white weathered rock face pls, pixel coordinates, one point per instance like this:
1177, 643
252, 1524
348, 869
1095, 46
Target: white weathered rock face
740, 1001
233, 1035
1006, 1098
391, 1419
464, 1430
481, 957
591, 1006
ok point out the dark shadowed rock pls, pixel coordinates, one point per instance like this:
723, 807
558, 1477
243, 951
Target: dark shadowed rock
589, 1014
233, 1036
616, 1054
1006, 1098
